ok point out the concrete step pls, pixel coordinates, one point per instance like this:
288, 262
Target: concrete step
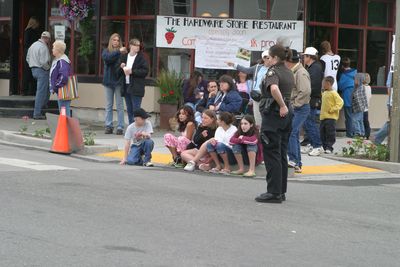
23, 102
12, 112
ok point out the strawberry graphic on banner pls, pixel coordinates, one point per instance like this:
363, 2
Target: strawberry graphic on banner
170, 35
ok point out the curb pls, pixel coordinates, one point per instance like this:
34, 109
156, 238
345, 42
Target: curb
392, 167
15, 139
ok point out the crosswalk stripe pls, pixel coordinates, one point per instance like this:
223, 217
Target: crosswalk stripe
33, 165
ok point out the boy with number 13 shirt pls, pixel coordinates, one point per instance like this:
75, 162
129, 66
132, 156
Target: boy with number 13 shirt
330, 62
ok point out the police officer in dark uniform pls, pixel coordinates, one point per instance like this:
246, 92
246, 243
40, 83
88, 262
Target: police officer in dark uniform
276, 123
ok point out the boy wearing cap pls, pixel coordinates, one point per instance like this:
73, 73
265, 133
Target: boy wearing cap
138, 142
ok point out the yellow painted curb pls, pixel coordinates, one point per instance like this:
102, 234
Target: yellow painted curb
162, 158
339, 168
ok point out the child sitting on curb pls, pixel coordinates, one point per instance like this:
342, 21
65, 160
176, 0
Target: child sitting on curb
197, 148
187, 127
220, 144
245, 140
138, 142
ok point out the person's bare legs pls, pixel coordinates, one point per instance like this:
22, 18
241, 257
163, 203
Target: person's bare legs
215, 158
252, 161
188, 155
173, 151
224, 157
239, 160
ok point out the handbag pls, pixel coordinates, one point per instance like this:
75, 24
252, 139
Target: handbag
70, 90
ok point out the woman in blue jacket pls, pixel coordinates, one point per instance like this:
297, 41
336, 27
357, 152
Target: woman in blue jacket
112, 83
231, 101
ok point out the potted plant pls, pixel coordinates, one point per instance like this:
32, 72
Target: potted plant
170, 86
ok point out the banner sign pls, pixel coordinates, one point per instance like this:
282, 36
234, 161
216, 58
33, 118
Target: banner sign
219, 40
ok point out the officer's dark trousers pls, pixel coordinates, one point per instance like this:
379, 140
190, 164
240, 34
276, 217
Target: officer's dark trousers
275, 158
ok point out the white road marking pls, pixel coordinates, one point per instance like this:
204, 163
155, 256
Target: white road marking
33, 165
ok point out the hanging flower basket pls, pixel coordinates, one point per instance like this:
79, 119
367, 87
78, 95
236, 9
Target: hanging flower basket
76, 10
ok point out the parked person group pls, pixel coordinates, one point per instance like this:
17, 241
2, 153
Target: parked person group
288, 96
124, 76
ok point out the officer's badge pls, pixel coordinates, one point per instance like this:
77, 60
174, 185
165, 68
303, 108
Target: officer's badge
270, 73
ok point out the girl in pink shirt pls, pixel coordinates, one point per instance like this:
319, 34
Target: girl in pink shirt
245, 140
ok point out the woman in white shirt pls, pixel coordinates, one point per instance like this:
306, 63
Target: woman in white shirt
135, 69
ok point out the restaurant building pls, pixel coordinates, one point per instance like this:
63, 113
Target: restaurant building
359, 29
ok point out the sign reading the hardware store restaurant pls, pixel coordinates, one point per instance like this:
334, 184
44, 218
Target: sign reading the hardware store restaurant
219, 40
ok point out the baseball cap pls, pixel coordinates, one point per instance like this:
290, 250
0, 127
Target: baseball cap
141, 113
310, 51
264, 54
46, 34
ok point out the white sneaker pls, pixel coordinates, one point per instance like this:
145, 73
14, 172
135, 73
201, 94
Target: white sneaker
306, 149
316, 151
327, 151
291, 164
190, 166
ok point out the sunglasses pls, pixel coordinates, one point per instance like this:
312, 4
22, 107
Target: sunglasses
266, 57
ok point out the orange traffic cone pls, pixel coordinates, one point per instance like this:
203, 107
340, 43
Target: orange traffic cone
60, 142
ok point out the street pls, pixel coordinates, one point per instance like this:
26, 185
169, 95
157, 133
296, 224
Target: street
62, 211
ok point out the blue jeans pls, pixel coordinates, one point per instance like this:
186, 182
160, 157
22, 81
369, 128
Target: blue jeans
132, 103
221, 148
42, 91
67, 105
110, 92
348, 116
382, 133
300, 116
140, 154
358, 123
312, 128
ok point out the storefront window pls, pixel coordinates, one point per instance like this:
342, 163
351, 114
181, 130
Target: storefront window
349, 12
5, 41
212, 8
251, 9
85, 48
175, 60
144, 31
178, 8
113, 8
322, 11
378, 14
350, 46
287, 9
109, 27
142, 7
5, 8
377, 44
67, 26
316, 35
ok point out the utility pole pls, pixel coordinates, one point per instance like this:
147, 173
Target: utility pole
394, 144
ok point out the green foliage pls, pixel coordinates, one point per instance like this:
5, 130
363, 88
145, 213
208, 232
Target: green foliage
88, 138
360, 148
170, 85
40, 132
86, 48
23, 128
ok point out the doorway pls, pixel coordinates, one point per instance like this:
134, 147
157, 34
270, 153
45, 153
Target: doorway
25, 10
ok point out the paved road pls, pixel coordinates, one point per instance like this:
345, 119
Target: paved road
61, 211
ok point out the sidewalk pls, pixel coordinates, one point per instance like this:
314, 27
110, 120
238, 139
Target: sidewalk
311, 165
